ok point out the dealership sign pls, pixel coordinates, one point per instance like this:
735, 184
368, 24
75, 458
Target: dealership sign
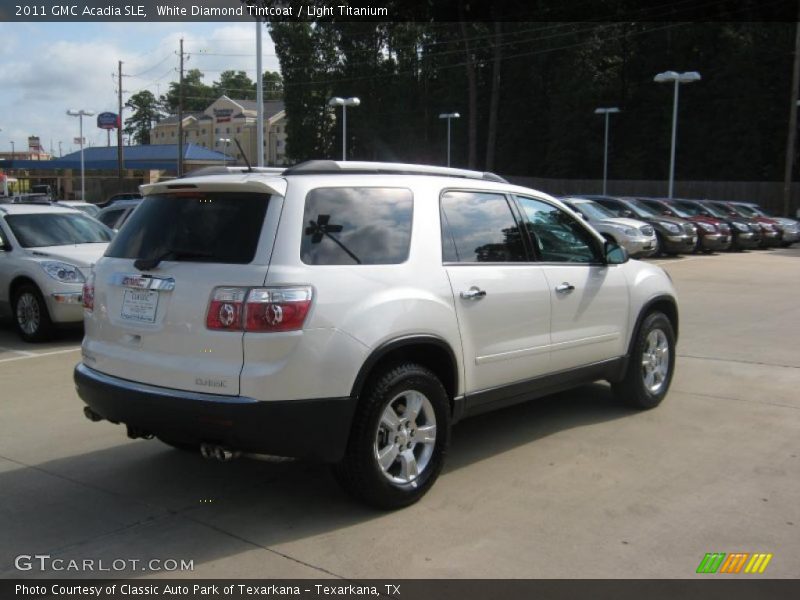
107, 120
223, 115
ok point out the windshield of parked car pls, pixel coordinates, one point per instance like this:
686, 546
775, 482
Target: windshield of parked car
592, 210
57, 229
747, 211
687, 208
679, 212
731, 209
642, 208
715, 211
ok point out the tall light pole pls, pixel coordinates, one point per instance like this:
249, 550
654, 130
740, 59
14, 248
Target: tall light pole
607, 112
449, 117
259, 99
344, 103
80, 114
227, 142
12, 150
677, 79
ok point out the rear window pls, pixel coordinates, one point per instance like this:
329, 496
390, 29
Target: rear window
356, 225
213, 227
57, 229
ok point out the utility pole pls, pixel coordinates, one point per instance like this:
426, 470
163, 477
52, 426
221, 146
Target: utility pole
790, 138
120, 157
180, 115
60, 153
259, 99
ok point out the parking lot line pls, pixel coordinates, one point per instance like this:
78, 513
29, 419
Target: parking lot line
23, 352
28, 355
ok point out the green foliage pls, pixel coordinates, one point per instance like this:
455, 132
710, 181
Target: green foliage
732, 124
146, 112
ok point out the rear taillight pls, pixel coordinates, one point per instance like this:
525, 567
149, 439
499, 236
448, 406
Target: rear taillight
277, 308
88, 292
226, 308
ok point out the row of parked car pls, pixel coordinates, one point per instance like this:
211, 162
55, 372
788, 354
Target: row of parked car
653, 226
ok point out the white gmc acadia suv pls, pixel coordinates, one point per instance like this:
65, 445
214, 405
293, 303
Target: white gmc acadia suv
352, 312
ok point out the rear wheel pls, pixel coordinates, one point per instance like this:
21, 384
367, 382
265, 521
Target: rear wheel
399, 438
651, 363
31, 316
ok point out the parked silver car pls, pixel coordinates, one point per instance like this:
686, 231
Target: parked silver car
637, 237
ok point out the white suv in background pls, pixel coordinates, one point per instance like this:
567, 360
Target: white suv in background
352, 312
46, 252
637, 237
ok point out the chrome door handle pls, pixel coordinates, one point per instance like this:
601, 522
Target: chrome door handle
565, 288
473, 293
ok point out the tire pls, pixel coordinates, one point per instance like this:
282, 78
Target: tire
659, 246
654, 334
381, 429
31, 317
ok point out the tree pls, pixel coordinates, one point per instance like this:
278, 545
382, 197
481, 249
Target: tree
235, 84
146, 112
273, 85
196, 94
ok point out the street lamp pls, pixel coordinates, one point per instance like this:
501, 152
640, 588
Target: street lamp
449, 117
227, 142
344, 103
12, 150
605, 111
677, 79
80, 114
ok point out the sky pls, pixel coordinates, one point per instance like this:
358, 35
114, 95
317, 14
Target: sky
47, 68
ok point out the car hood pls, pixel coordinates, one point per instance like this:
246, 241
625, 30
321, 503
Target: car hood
80, 255
667, 219
625, 222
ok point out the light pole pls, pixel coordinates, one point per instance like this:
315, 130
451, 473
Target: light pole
12, 150
677, 79
80, 114
605, 111
344, 103
449, 117
227, 142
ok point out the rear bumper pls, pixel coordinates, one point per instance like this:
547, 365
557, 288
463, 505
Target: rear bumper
316, 429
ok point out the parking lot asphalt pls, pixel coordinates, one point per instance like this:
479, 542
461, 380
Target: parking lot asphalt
573, 485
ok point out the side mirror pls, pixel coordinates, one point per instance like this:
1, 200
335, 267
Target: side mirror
615, 255
628, 213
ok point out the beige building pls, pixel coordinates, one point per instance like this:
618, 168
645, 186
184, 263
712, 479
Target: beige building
229, 119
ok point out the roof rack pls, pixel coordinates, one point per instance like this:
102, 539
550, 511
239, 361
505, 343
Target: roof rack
232, 170
332, 167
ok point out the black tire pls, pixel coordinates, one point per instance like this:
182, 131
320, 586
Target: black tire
27, 301
632, 389
359, 472
659, 246
184, 446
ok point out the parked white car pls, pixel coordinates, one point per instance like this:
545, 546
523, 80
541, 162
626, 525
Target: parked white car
46, 253
637, 237
351, 312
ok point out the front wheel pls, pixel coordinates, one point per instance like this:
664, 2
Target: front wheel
30, 314
399, 438
651, 363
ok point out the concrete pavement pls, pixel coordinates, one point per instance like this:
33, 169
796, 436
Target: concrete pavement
573, 485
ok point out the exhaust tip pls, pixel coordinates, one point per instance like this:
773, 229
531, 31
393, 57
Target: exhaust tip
220, 453
91, 415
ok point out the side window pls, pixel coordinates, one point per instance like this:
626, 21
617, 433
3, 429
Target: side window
557, 235
356, 225
614, 207
479, 227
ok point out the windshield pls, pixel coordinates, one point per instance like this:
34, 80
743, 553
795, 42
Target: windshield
592, 210
715, 211
218, 227
687, 208
731, 209
57, 229
747, 211
642, 208
679, 212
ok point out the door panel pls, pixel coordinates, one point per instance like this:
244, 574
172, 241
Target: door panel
587, 323
589, 299
502, 300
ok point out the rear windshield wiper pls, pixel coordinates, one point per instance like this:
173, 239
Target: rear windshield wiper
146, 264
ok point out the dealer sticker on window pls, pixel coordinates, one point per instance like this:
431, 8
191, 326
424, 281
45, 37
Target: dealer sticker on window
140, 305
